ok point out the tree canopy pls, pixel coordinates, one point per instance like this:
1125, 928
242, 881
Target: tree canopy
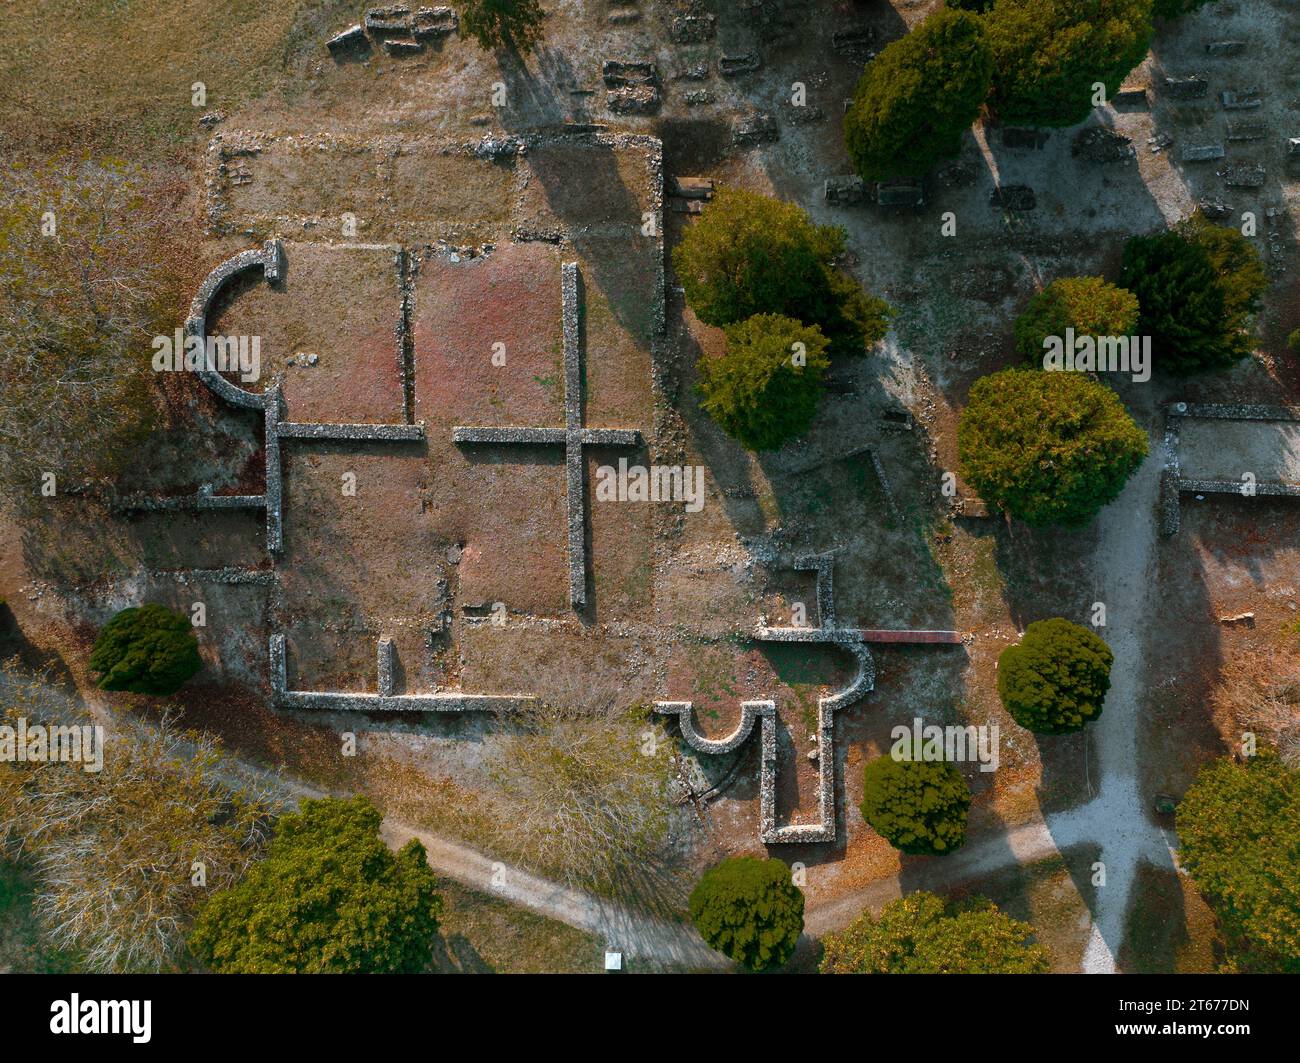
1047, 447
1049, 54
1198, 287
511, 24
750, 910
329, 897
1239, 833
147, 650
1089, 305
923, 934
763, 390
752, 254
1054, 680
918, 96
918, 806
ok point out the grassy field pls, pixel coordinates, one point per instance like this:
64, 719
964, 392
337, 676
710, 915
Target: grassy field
118, 74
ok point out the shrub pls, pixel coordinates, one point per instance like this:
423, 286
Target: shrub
1239, 833
1089, 305
1054, 680
918, 97
918, 806
921, 934
1197, 287
330, 897
146, 650
1048, 54
749, 910
1048, 448
757, 392
1293, 341
751, 254
511, 24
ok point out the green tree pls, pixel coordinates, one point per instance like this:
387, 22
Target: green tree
329, 898
1048, 54
1047, 447
749, 910
763, 391
1239, 833
1054, 680
147, 650
917, 98
1198, 287
918, 806
752, 254
921, 934
1089, 305
1171, 9
512, 24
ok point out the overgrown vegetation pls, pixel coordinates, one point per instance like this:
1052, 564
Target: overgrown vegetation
1054, 680
922, 934
82, 290
122, 857
1048, 448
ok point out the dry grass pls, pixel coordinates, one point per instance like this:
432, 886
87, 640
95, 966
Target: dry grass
118, 73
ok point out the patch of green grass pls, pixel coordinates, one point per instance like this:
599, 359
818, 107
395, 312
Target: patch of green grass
23, 948
481, 934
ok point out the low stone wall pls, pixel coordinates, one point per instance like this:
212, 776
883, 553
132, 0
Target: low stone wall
1173, 484
384, 700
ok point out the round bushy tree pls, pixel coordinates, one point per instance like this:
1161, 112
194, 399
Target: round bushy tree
921, 934
750, 910
1198, 287
329, 898
511, 24
1054, 680
918, 806
763, 390
1048, 448
1089, 305
752, 254
1048, 55
918, 97
147, 650
1239, 833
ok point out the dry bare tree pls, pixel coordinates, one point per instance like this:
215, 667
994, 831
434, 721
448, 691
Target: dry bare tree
124, 856
1261, 691
583, 791
82, 292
